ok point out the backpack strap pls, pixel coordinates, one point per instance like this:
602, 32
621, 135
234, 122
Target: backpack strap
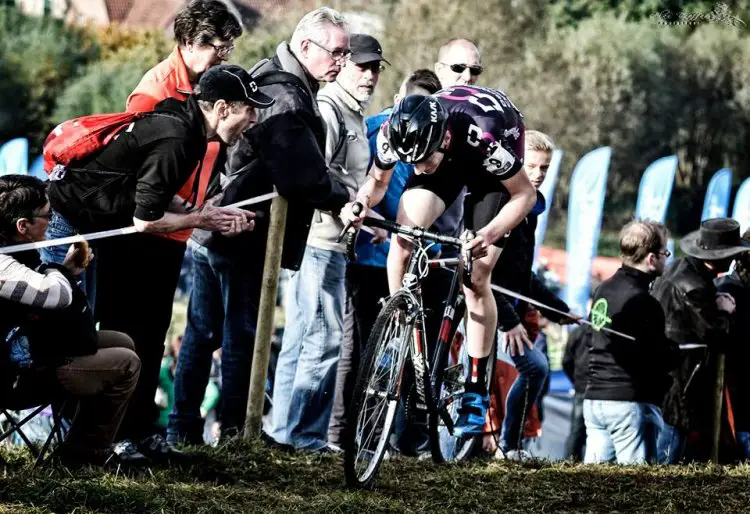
342, 127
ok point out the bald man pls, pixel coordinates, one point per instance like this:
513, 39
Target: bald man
459, 63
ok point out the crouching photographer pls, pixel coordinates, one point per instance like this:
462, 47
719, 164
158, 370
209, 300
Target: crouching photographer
49, 333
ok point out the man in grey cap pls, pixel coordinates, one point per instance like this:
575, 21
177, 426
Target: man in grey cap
698, 318
314, 333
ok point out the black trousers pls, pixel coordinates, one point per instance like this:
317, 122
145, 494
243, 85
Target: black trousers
365, 286
136, 278
576, 441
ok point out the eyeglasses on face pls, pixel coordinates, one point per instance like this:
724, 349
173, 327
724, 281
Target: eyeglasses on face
336, 55
222, 50
475, 70
665, 253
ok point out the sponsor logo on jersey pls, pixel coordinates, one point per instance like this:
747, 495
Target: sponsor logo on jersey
512, 132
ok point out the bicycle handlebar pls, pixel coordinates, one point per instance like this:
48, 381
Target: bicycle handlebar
415, 232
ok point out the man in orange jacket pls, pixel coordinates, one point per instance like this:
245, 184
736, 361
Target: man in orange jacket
204, 31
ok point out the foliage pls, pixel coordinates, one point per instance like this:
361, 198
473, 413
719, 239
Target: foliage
104, 85
13, 98
44, 54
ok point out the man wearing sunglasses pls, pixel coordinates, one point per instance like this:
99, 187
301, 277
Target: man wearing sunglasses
459, 63
463, 136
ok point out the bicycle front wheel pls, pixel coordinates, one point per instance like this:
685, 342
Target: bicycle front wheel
377, 391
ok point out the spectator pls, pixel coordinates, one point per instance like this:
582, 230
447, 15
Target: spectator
737, 284
367, 279
98, 369
517, 321
283, 150
696, 314
204, 31
305, 380
152, 162
628, 378
576, 367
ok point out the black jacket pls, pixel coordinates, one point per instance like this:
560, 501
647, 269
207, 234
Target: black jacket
576, 358
513, 271
687, 294
622, 369
137, 174
738, 354
285, 149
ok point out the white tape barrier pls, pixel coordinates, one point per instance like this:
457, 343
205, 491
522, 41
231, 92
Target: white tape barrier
111, 233
547, 307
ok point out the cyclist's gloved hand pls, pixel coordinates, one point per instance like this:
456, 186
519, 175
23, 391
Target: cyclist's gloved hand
385, 157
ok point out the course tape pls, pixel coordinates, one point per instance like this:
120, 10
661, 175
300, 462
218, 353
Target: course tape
111, 233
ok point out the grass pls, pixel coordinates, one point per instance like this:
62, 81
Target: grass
246, 477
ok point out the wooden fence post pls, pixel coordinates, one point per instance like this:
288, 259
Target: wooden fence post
718, 407
265, 326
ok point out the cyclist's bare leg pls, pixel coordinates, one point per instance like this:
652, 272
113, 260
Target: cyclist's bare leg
481, 307
418, 207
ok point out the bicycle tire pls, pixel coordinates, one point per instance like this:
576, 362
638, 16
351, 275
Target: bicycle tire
443, 445
390, 324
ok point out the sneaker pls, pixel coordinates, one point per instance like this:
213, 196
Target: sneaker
471, 415
125, 453
157, 448
514, 455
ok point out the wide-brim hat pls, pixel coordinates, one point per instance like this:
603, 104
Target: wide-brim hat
717, 238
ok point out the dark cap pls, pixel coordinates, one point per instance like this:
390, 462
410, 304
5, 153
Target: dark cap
233, 84
365, 49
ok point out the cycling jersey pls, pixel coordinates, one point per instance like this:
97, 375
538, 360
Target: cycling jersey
486, 148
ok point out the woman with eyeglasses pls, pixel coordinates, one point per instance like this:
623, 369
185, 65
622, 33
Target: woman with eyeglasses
47, 324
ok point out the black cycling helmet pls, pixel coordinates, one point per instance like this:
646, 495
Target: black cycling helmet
417, 127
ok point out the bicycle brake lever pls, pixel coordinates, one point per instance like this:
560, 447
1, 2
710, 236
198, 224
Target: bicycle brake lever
357, 209
467, 258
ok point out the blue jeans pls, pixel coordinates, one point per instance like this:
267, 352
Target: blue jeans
533, 369
671, 445
306, 368
222, 313
621, 431
60, 227
743, 442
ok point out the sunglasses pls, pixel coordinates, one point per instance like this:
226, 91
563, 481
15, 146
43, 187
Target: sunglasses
460, 68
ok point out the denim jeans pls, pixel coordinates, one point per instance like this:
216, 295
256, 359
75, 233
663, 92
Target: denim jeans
222, 313
306, 369
60, 227
671, 445
743, 443
621, 431
533, 369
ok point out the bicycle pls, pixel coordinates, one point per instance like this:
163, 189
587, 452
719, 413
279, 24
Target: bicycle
398, 338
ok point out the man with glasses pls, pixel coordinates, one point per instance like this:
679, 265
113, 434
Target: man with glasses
459, 63
306, 369
627, 379
285, 150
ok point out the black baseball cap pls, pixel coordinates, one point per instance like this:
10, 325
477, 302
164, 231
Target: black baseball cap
365, 48
231, 83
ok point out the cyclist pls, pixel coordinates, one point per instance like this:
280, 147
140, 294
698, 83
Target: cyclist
460, 136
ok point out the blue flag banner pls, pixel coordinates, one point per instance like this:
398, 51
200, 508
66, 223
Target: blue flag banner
655, 189
587, 189
742, 206
14, 157
716, 203
548, 190
37, 169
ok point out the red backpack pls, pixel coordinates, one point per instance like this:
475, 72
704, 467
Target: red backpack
75, 139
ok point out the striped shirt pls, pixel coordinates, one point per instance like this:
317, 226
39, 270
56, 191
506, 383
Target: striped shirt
20, 284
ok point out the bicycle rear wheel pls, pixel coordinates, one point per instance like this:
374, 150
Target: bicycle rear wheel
377, 391
449, 390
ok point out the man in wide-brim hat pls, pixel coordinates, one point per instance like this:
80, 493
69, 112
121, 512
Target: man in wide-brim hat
696, 314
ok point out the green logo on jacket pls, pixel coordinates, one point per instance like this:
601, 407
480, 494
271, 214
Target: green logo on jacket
599, 314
